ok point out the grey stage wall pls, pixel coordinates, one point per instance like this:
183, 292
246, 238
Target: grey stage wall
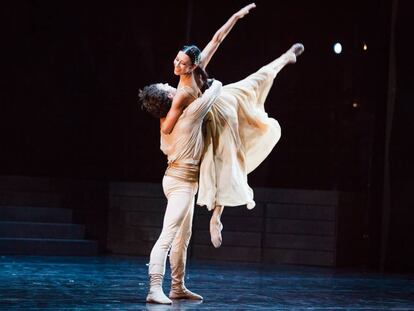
310, 227
87, 201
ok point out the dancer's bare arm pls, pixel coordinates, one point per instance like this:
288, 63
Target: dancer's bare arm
180, 102
219, 36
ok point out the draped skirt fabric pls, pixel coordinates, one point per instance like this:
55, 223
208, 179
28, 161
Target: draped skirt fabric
239, 135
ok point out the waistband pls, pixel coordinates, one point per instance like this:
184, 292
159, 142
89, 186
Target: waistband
183, 170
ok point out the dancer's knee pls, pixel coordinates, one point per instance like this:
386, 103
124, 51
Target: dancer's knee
166, 239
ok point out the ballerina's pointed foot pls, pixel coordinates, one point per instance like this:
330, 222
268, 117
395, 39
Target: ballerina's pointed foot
298, 49
215, 233
295, 50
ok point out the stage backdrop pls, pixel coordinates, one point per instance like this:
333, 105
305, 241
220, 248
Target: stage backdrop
73, 70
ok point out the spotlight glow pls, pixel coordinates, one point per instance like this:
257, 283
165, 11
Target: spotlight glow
365, 47
337, 48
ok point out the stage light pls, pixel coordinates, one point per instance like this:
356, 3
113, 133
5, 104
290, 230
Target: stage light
355, 105
365, 47
337, 48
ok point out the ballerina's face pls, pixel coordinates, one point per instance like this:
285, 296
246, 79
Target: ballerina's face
183, 64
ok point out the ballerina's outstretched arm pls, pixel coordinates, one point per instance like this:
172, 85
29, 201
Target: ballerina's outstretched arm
220, 34
181, 100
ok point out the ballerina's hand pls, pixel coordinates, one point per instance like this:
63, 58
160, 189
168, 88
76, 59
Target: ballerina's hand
244, 11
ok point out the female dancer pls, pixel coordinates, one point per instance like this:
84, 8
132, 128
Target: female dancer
239, 137
181, 140
190, 65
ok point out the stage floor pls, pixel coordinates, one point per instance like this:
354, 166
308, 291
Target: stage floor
120, 283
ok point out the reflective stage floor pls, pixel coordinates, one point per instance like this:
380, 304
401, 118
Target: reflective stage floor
120, 283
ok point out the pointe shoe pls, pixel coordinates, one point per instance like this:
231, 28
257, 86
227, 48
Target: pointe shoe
298, 49
215, 233
295, 50
156, 294
181, 292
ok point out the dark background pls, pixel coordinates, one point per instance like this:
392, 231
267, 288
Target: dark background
72, 70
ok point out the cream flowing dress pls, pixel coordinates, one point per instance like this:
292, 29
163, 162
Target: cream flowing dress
238, 136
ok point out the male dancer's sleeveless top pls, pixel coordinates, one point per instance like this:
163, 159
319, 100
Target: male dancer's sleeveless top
185, 144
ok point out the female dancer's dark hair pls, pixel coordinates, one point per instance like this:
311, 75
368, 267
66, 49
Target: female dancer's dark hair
200, 74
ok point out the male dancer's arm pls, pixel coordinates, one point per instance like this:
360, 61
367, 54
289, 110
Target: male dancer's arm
180, 102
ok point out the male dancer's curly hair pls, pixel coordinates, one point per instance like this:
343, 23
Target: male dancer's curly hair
155, 101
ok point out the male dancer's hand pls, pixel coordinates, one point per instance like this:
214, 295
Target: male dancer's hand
244, 11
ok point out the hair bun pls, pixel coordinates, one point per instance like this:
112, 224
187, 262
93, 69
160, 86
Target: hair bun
193, 52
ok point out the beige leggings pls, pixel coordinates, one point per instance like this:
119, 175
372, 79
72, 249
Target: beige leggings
176, 230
